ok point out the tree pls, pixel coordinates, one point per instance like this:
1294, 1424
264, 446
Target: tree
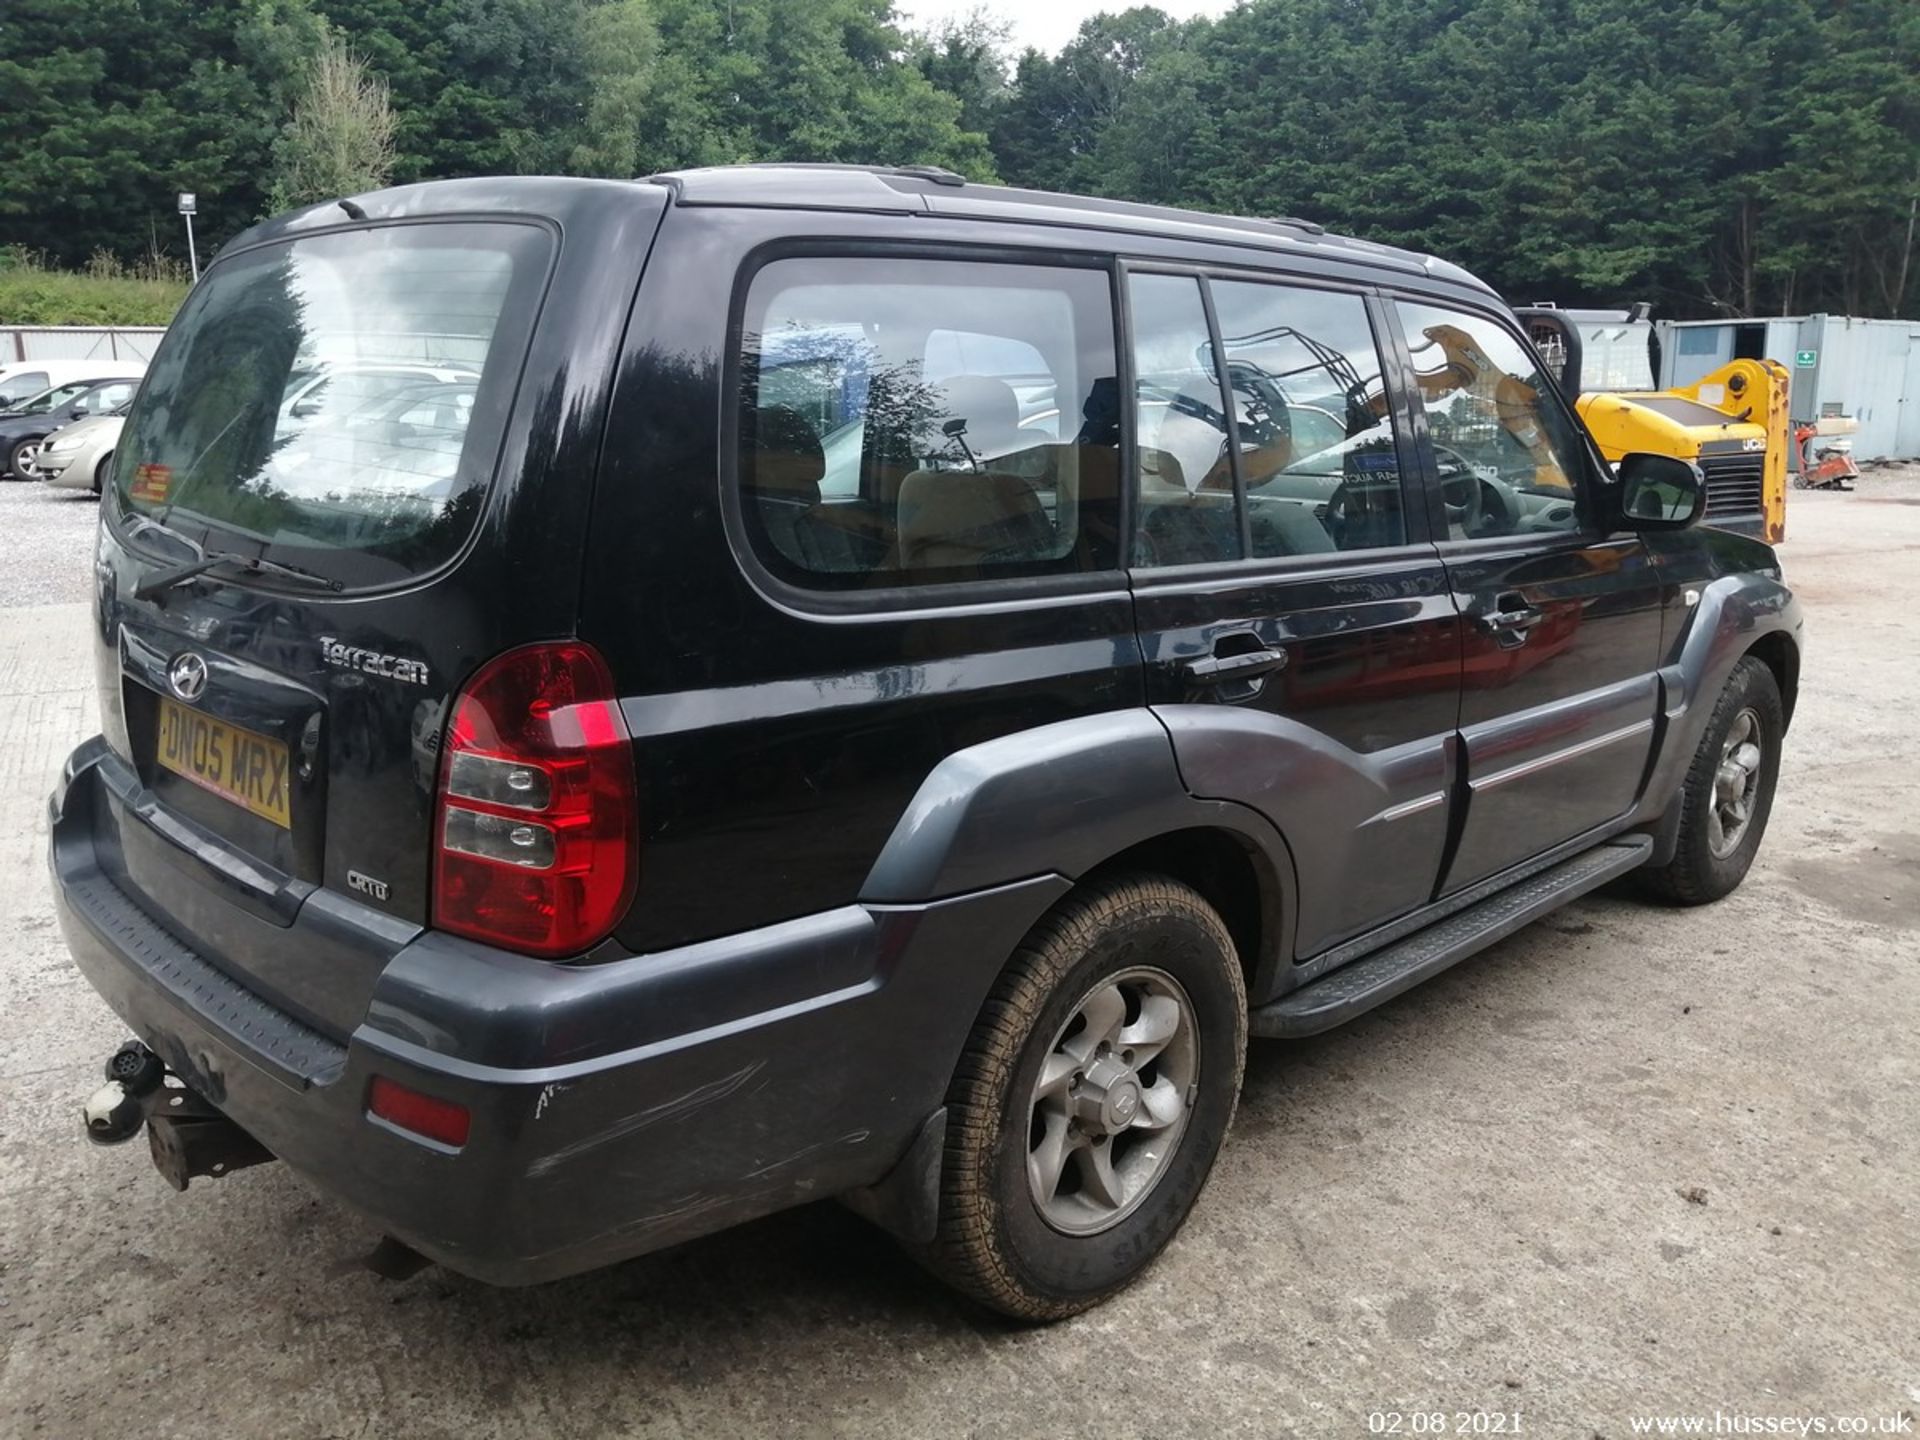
618, 45
115, 105
967, 59
340, 139
1051, 128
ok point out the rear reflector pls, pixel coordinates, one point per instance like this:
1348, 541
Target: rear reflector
536, 838
426, 1115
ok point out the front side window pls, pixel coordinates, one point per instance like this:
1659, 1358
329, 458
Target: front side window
107, 398
910, 422
337, 401
1506, 456
1316, 441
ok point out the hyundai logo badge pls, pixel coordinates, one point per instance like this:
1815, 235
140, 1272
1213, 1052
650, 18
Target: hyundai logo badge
188, 676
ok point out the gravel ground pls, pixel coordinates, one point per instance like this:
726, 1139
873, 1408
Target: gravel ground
49, 541
1472, 1200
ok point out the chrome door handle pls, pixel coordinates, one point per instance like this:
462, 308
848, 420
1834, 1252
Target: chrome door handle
1213, 669
1510, 619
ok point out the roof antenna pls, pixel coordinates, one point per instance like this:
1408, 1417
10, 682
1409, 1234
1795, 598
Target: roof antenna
353, 210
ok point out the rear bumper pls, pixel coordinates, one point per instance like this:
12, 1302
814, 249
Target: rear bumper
616, 1108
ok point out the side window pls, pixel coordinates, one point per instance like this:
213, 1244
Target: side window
1316, 441
1506, 455
108, 397
1186, 512
21, 387
55, 398
910, 422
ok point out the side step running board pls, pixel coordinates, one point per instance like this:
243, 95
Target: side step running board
1358, 986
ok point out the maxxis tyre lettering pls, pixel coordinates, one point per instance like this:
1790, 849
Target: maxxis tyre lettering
1695, 876
992, 1242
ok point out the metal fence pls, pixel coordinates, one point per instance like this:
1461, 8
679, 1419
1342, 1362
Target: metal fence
78, 342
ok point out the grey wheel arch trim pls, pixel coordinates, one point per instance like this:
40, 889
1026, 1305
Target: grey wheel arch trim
1734, 613
1064, 799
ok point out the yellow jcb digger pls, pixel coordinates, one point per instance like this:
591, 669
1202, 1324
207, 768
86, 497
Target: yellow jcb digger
1733, 423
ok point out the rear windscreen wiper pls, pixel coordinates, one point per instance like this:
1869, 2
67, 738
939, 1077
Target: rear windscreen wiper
205, 560
250, 564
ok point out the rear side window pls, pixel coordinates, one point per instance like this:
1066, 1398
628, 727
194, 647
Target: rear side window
20, 387
337, 402
910, 422
1316, 444
1299, 456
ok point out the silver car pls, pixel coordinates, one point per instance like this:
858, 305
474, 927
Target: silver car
80, 456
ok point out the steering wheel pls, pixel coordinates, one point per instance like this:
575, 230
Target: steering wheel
1477, 504
1336, 519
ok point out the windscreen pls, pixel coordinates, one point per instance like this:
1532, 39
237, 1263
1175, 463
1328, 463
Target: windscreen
337, 402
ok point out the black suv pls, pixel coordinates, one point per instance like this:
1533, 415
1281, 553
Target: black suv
787, 682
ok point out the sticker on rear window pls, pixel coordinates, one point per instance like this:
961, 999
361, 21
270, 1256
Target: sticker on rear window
151, 482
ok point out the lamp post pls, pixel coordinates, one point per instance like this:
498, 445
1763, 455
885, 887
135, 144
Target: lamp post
188, 205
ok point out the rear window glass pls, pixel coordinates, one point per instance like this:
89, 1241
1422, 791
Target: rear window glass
337, 402
912, 422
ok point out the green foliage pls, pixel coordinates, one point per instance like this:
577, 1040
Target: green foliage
106, 292
1717, 157
1714, 156
340, 140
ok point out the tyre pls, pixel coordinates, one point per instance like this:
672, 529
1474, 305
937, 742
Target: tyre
17, 461
1091, 1099
103, 472
1728, 794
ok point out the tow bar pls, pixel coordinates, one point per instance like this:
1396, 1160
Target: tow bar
188, 1137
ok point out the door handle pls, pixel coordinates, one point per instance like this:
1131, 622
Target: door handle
1214, 669
1511, 618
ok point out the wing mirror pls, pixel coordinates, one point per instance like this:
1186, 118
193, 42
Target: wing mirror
1659, 492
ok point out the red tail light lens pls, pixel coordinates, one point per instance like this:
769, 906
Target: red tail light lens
535, 837
426, 1115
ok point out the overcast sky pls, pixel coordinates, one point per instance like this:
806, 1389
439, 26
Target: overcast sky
1044, 24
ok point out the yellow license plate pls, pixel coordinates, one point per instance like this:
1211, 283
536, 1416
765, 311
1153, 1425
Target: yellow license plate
235, 764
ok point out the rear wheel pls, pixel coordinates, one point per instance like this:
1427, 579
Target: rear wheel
1728, 794
21, 457
1091, 1099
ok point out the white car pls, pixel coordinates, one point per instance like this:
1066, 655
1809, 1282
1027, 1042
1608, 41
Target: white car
80, 456
23, 379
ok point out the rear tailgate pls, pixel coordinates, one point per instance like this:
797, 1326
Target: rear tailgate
374, 415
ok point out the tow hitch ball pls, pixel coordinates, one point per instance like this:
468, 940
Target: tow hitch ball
188, 1136
114, 1112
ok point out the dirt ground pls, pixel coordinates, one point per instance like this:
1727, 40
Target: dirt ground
1473, 1200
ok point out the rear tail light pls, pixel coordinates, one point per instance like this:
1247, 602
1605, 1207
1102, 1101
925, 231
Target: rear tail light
535, 836
410, 1110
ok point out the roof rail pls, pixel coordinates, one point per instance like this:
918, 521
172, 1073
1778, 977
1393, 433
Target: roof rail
938, 174
1294, 222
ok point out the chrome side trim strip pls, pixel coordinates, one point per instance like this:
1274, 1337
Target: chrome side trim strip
1572, 752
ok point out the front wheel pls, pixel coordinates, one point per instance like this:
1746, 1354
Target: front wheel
1091, 1099
103, 473
1728, 794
